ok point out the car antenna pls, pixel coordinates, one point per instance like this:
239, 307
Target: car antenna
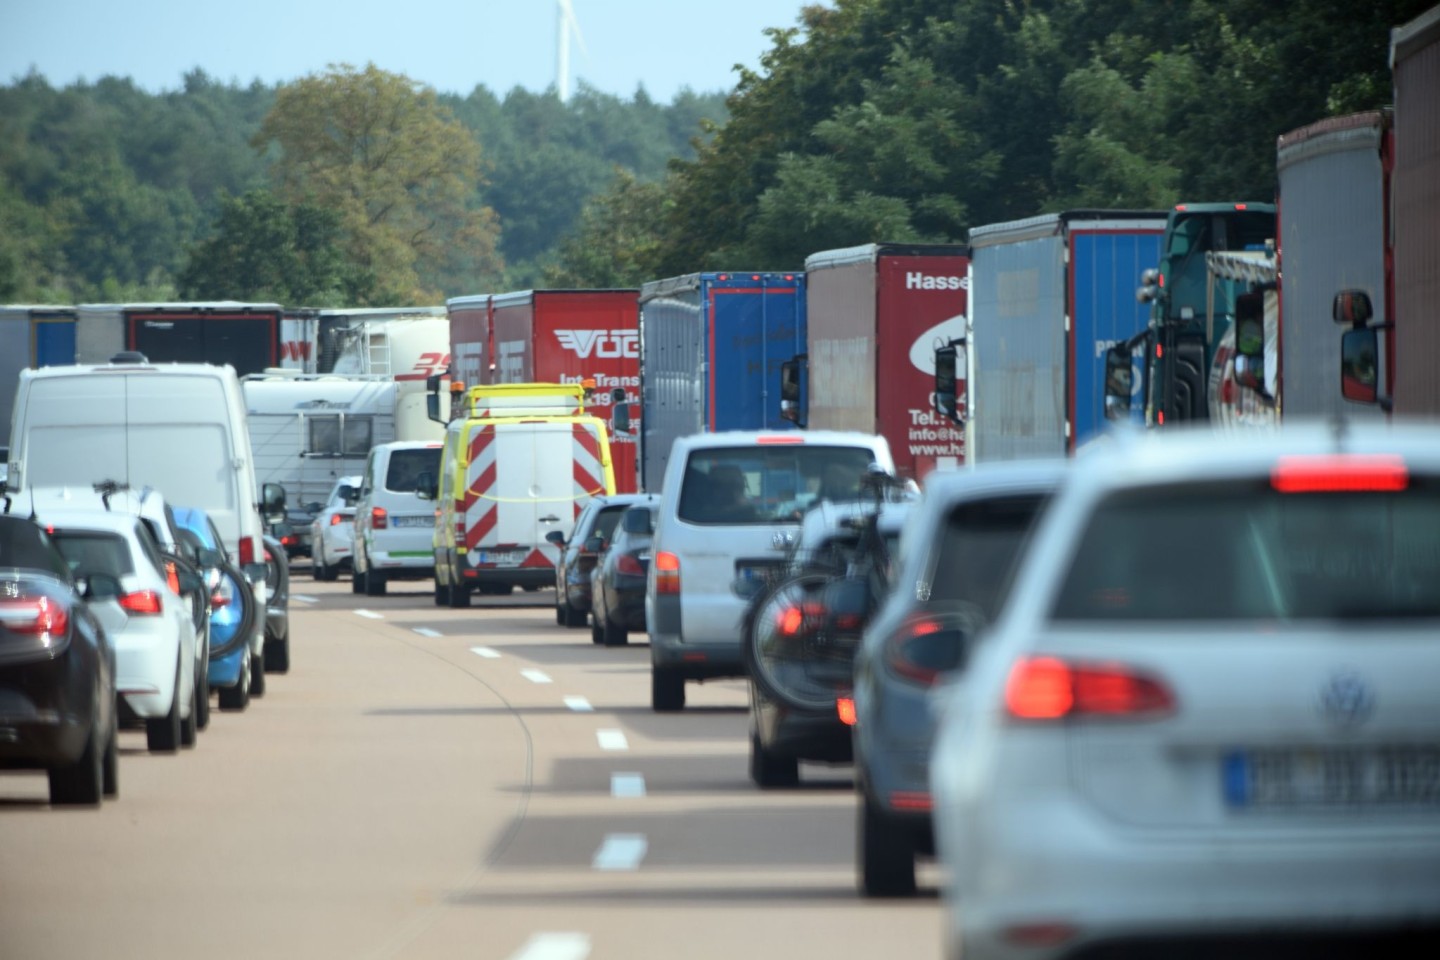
108, 489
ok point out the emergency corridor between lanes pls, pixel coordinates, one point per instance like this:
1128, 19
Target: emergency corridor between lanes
437, 783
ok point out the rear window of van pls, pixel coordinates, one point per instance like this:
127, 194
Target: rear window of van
768, 484
405, 467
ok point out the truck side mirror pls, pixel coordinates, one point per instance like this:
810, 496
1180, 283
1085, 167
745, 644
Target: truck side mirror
620, 417
947, 380
1250, 325
432, 398
792, 389
1119, 382
1352, 308
1360, 365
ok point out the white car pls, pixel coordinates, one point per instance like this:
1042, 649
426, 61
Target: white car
1209, 712
146, 606
332, 533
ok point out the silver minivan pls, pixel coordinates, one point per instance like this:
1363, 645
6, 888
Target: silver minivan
731, 504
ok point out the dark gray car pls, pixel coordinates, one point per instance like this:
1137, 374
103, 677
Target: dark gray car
617, 589
572, 572
960, 547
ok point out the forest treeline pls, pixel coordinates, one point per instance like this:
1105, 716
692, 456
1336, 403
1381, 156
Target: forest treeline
897, 120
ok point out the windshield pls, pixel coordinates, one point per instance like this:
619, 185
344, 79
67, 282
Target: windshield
1244, 551
768, 484
403, 473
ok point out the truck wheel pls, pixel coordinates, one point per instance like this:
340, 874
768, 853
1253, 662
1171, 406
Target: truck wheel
770, 770
886, 853
667, 690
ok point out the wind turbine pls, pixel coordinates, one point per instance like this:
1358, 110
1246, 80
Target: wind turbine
565, 24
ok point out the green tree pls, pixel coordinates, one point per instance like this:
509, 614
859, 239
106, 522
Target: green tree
617, 243
396, 167
262, 249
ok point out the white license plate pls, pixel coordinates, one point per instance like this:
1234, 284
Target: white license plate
502, 558
413, 521
1288, 779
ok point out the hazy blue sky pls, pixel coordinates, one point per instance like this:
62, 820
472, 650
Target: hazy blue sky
452, 45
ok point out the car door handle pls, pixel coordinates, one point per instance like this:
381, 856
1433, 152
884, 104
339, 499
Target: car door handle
550, 519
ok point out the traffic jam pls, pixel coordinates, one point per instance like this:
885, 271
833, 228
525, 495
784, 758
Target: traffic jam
937, 599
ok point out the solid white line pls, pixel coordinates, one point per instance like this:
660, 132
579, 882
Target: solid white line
304, 599
554, 946
579, 704
371, 614
485, 652
536, 676
620, 851
627, 785
426, 632
612, 740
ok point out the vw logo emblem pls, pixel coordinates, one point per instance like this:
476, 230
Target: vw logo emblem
1345, 701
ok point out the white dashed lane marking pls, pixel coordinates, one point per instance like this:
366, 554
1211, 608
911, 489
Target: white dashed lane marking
303, 599
536, 676
627, 785
485, 652
621, 851
579, 704
554, 946
427, 632
370, 614
612, 740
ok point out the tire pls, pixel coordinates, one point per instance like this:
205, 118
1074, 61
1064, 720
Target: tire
202, 692
110, 763
597, 637
770, 770
374, 583
81, 783
236, 698
667, 690
277, 653
357, 583
560, 615
190, 726
257, 676
162, 734
459, 596
571, 616
318, 569
442, 593
886, 853
612, 633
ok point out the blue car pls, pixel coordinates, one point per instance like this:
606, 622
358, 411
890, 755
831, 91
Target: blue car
232, 609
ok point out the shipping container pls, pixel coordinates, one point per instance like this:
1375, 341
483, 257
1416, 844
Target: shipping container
31, 336
875, 315
470, 351
244, 335
711, 346
1049, 296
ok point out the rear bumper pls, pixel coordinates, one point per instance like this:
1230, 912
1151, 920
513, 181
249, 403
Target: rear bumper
696, 661
803, 735
46, 713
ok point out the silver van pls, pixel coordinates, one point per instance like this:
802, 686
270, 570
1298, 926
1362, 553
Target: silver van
730, 506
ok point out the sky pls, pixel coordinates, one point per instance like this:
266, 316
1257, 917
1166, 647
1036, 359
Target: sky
451, 45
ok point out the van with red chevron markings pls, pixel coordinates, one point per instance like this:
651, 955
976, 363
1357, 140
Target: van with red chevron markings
520, 461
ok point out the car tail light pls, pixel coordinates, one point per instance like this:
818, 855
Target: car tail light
628, 565
247, 550
36, 615
143, 602
667, 572
1050, 934
1340, 473
793, 619
336, 519
1048, 688
287, 541
379, 519
911, 800
924, 650
845, 710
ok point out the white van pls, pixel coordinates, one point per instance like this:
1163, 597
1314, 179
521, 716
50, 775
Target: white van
177, 427
393, 525
730, 506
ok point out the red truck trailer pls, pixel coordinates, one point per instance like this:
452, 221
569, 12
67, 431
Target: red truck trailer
875, 315
554, 336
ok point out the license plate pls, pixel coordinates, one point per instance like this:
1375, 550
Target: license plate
503, 558
1290, 779
758, 571
413, 521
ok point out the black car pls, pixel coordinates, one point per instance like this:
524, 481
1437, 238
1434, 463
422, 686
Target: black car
57, 670
617, 585
277, 611
577, 559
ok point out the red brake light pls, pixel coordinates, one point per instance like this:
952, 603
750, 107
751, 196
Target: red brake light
1181, 207
667, 572
845, 709
143, 602
1242, 206
780, 438
336, 519
379, 519
628, 565
247, 550
1048, 688
1340, 473
48, 616
287, 540
923, 652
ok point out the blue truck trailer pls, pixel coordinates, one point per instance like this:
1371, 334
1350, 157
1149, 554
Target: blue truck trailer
711, 346
1049, 295
31, 336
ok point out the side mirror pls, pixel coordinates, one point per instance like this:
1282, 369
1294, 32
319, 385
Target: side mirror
792, 389
101, 586
948, 360
1360, 365
1119, 382
1352, 308
556, 537
595, 545
1149, 286
208, 557
272, 502
432, 397
620, 417
1250, 325
314, 506
1250, 372
426, 487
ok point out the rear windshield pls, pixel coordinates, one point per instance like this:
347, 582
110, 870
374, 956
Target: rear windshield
23, 545
766, 484
1245, 552
606, 523
407, 465
94, 552
979, 549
